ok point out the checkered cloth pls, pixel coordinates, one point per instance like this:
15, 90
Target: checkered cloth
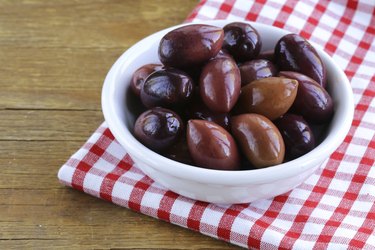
334, 208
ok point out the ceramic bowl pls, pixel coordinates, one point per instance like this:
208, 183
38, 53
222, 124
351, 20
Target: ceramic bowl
217, 186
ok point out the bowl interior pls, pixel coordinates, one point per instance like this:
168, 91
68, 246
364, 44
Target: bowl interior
117, 112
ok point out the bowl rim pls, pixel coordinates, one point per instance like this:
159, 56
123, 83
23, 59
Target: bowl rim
225, 177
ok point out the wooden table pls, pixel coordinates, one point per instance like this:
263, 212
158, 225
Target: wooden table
54, 56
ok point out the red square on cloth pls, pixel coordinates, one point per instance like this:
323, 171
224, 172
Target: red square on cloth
334, 208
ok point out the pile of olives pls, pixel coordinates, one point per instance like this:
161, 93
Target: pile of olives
218, 101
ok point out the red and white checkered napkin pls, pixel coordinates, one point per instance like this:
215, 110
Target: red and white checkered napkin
334, 208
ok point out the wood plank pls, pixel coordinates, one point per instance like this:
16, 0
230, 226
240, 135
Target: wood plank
35, 157
54, 56
75, 44
41, 125
81, 24
46, 81
94, 223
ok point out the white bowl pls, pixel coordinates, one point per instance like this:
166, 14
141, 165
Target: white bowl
217, 186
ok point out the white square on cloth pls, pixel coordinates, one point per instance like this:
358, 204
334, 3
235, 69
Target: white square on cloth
92, 183
362, 17
121, 191
321, 33
304, 9
182, 208
296, 22
356, 150
337, 8
209, 12
364, 133
347, 46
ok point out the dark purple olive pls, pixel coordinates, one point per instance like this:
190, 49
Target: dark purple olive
190, 45
294, 53
158, 128
141, 74
267, 55
242, 41
167, 88
198, 110
297, 134
319, 131
220, 84
313, 102
211, 146
256, 69
133, 104
179, 152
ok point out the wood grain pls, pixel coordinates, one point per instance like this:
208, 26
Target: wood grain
54, 56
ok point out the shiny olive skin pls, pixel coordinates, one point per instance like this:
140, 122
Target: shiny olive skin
313, 102
190, 45
256, 69
140, 76
211, 146
167, 88
223, 54
259, 139
271, 97
294, 53
242, 41
297, 134
158, 128
198, 110
220, 84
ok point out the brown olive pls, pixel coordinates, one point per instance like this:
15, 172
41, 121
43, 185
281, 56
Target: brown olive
190, 45
271, 97
256, 69
222, 54
294, 53
211, 146
259, 139
220, 84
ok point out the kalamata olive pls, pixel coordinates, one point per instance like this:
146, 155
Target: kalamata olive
297, 134
294, 53
313, 102
223, 54
134, 105
271, 97
267, 55
167, 88
198, 110
256, 69
220, 84
141, 74
242, 41
259, 139
179, 152
158, 128
190, 45
211, 146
